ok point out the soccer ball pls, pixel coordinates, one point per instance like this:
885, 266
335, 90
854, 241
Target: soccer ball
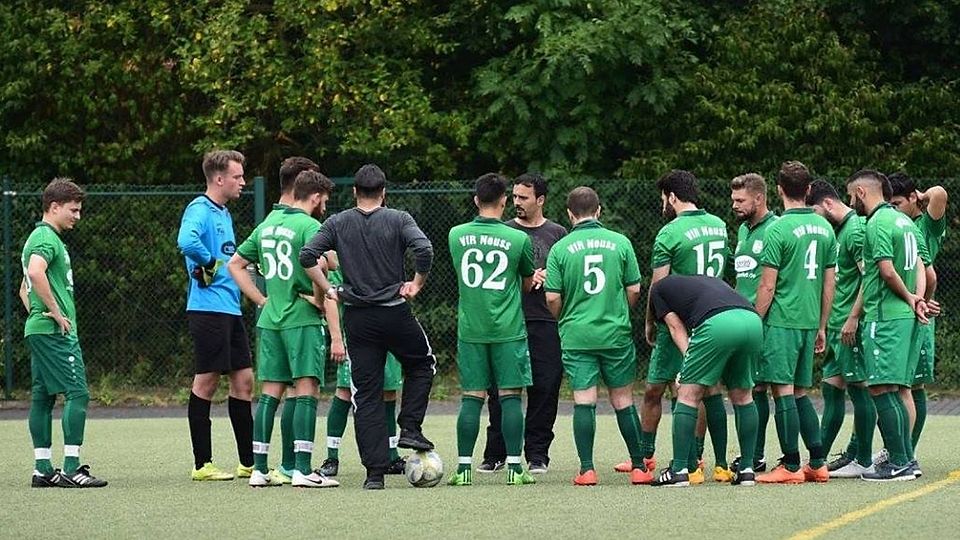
424, 469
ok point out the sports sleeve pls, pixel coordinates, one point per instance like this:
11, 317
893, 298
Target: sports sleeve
855, 242
663, 249
43, 247
417, 242
249, 249
923, 250
831, 261
526, 257
554, 281
882, 244
323, 241
631, 268
934, 228
192, 226
772, 254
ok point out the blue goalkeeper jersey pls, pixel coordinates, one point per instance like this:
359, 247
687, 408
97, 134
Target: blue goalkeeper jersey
206, 234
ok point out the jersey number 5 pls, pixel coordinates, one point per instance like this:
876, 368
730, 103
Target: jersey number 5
593, 277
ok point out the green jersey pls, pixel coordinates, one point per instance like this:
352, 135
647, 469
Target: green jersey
45, 242
590, 268
746, 259
801, 245
849, 274
275, 246
490, 259
693, 243
890, 236
933, 231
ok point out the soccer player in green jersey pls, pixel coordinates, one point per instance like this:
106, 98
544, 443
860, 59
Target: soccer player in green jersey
794, 297
694, 242
749, 195
56, 361
341, 403
492, 261
928, 210
292, 341
843, 366
894, 284
593, 280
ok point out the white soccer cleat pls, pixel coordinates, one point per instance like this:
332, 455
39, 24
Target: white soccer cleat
851, 470
312, 480
259, 479
881, 456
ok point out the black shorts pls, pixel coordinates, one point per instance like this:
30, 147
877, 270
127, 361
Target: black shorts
220, 342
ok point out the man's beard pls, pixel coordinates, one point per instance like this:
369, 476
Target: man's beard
859, 206
669, 212
748, 216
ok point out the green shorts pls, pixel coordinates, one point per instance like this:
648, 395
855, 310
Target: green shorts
482, 364
392, 374
924, 374
842, 360
56, 365
892, 351
617, 367
665, 360
292, 353
723, 348
787, 357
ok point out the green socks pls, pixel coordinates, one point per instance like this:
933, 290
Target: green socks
833, 412
41, 431
788, 430
584, 429
864, 423
746, 420
684, 425
763, 416
717, 425
511, 426
288, 458
629, 424
892, 416
468, 429
263, 430
304, 430
648, 443
920, 401
391, 408
810, 431
336, 425
73, 421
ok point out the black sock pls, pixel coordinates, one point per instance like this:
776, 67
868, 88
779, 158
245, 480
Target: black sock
241, 416
198, 414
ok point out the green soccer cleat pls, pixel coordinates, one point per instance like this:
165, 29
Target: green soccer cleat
281, 474
209, 472
462, 478
244, 472
519, 478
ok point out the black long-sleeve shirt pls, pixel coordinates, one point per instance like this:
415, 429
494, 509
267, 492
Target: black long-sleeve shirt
371, 248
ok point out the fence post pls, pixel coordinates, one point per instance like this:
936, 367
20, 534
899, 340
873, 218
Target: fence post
7, 291
259, 199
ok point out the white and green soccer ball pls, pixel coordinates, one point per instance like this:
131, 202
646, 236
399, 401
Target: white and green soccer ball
424, 469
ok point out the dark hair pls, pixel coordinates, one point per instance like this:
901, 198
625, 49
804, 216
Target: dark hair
751, 182
872, 175
217, 161
901, 184
583, 202
794, 179
309, 182
534, 180
820, 190
61, 190
681, 183
291, 168
369, 180
489, 188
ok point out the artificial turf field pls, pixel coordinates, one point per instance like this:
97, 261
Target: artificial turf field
148, 460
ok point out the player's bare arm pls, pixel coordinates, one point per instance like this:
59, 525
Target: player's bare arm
410, 289
889, 276
650, 327
633, 294
766, 290
24, 296
338, 351
554, 304
936, 201
677, 331
527, 284
238, 270
826, 304
848, 332
37, 273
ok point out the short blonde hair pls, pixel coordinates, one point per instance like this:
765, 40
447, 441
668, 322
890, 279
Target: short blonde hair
752, 182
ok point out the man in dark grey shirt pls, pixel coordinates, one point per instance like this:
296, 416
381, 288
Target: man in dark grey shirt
371, 242
543, 339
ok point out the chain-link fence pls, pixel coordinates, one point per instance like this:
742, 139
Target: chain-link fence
130, 282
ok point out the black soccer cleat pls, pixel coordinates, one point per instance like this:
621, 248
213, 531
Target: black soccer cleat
841, 461
330, 467
373, 483
669, 478
888, 472
80, 479
397, 466
759, 465
744, 478
414, 440
488, 467
41, 480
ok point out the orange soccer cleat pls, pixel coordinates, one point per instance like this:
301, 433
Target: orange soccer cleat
780, 475
588, 478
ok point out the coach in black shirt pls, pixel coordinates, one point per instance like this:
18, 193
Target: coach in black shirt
371, 242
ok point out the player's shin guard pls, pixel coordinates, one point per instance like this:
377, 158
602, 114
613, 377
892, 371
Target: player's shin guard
263, 430
468, 428
288, 458
629, 424
810, 430
833, 412
74, 421
864, 424
920, 400
746, 420
305, 429
336, 425
684, 425
511, 411
717, 425
41, 430
788, 430
891, 415
763, 417
584, 430
241, 417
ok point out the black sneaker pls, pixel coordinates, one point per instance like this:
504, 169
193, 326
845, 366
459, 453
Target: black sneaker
888, 472
759, 465
671, 479
840, 462
397, 466
41, 480
373, 482
80, 479
735, 464
488, 467
744, 478
330, 467
537, 467
916, 468
414, 440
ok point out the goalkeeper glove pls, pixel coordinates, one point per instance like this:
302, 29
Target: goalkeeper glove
207, 273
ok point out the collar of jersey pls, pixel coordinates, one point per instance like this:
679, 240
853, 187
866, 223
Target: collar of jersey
292, 210
799, 211
481, 219
845, 219
769, 215
697, 212
878, 208
589, 224
278, 206
42, 223
213, 203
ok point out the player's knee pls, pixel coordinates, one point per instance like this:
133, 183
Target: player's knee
652, 394
343, 394
79, 395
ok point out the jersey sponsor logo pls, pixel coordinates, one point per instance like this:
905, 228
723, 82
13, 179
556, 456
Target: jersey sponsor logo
757, 246
744, 263
228, 248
